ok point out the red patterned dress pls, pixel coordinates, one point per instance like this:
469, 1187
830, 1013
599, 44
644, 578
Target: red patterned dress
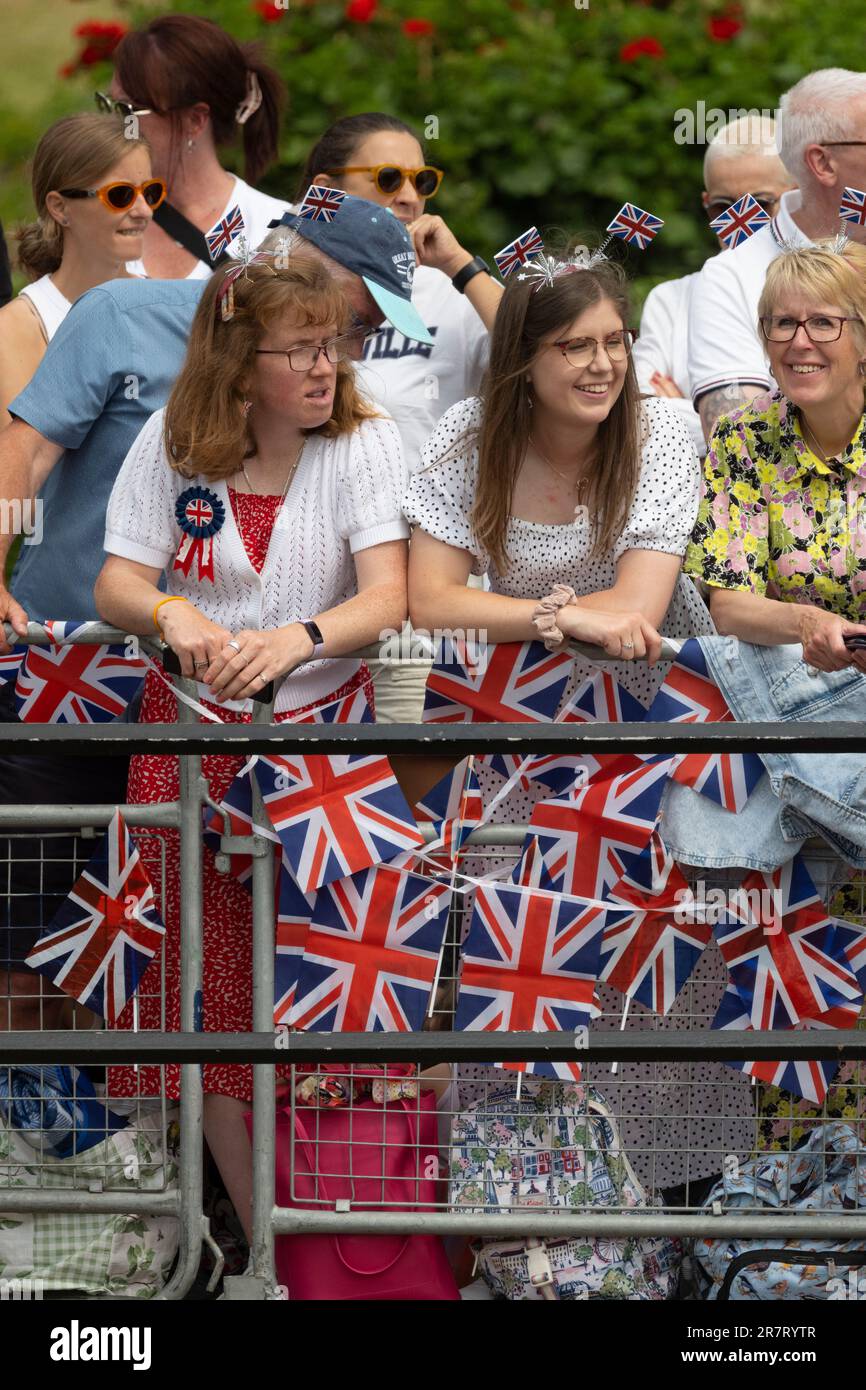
227, 907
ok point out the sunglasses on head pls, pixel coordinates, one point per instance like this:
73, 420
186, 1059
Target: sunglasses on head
388, 178
120, 108
119, 197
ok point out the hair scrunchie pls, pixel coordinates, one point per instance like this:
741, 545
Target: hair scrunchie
544, 615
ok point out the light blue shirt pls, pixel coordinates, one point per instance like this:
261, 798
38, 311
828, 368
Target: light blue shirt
110, 365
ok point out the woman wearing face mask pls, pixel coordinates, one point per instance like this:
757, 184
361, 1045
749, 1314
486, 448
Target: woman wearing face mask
94, 196
780, 537
559, 474
193, 89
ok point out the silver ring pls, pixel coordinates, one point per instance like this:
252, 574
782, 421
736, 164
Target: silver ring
199, 664
233, 643
262, 679
627, 646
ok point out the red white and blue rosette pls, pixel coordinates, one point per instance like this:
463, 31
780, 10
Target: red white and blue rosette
199, 514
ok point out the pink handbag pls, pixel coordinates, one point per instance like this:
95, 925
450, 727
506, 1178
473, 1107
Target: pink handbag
378, 1155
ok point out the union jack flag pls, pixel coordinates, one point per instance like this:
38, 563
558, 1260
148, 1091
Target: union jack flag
221, 236
853, 206
370, 956
633, 224
514, 682
75, 684
589, 838
294, 911
10, 663
738, 222
602, 700
524, 248
237, 805
530, 961
782, 953
808, 1079
107, 931
455, 807
653, 951
335, 815
689, 695
321, 204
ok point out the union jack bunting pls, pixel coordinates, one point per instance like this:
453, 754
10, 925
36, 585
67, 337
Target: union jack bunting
80, 684
321, 204
107, 931
651, 953
518, 252
853, 206
850, 939
294, 910
512, 682
589, 838
10, 663
689, 695
633, 224
370, 956
335, 815
221, 236
602, 700
807, 1079
455, 807
237, 805
781, 950
530, 961
738, 222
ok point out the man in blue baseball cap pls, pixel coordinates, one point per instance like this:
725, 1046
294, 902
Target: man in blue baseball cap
368, 241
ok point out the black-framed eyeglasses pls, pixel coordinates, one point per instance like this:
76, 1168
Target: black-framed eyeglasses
579, 352
764, 200
304, 358
820, 328
120, 108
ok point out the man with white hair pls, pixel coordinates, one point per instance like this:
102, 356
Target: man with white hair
741, 158
822, 141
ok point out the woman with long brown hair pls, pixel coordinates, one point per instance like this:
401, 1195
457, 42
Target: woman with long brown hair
303, 555
94, 196
558, 475
194, 90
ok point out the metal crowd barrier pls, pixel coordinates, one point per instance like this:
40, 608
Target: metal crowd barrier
264, 1049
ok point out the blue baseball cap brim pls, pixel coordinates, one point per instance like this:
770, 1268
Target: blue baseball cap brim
400, 312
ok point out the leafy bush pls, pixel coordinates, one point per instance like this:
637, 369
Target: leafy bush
541, 112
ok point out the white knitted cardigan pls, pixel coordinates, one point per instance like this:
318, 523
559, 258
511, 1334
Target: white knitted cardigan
345, 497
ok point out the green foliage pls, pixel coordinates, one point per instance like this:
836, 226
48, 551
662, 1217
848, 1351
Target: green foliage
540, 119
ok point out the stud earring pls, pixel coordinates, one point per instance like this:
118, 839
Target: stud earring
190, 144
248, 405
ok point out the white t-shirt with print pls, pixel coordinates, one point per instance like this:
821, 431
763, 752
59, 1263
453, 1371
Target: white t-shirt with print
345, 497
417, 382
257, 210
662, 346
724, 344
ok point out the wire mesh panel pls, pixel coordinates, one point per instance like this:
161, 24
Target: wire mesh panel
60, 1126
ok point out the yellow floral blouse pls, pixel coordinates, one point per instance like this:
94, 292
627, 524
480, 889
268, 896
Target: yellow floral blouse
775, 519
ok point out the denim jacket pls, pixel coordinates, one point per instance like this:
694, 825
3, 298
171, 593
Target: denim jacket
804, 794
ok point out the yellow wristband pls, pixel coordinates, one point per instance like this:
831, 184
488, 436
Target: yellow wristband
173, 598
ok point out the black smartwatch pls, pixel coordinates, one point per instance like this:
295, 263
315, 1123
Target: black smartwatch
469, 271
314, 633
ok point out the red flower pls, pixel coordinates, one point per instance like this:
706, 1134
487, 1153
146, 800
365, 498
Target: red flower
646, 47
723, 28
102, 37
271, 14
361, 11
418, 28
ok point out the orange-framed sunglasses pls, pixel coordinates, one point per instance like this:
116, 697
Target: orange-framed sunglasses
119, 197
388, 178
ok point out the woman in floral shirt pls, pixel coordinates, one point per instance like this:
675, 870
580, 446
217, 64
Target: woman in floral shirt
781, 532
780, 538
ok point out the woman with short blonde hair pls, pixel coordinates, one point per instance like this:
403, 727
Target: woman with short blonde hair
780, 538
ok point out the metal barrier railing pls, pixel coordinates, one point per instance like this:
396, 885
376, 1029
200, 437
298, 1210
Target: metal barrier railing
191, 1046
